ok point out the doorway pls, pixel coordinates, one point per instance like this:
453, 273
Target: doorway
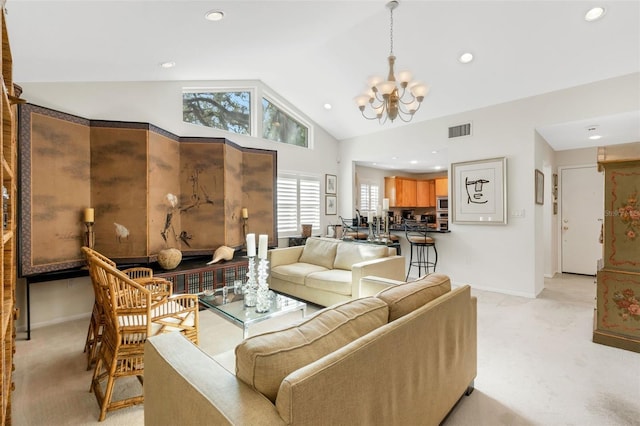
582, 207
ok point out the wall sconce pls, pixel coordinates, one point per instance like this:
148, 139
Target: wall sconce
89, 220
245, 224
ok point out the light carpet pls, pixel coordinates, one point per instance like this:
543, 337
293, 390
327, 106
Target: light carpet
536, 366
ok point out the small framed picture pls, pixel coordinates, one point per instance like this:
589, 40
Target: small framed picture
330, 184
330, 205
539, 187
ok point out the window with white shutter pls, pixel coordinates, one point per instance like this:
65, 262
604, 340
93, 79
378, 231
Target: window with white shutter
298, 203
369, 197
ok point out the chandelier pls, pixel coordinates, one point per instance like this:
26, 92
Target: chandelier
392, 98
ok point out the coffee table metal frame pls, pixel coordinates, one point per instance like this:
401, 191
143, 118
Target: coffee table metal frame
243, 316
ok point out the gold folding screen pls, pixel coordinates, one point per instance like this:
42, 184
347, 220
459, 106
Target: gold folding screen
129, 173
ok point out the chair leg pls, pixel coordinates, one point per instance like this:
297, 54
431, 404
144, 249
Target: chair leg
410, 261
435, 263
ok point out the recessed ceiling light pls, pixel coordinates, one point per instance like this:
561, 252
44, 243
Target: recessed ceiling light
168, 64
438, 167
434, 152
414, 161
592, 132
465, 58
328, 106
394, 158
594, 14
214, 15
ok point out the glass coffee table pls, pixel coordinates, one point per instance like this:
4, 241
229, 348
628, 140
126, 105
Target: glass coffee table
233, 308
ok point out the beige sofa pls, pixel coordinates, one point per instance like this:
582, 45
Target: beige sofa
326, 271
404, 356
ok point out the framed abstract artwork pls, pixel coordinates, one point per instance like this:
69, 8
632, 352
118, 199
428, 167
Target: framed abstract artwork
479, 192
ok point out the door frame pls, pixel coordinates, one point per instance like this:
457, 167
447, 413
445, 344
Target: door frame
559, 219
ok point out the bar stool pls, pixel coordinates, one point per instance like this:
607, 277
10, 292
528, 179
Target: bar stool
420, 243
350, 229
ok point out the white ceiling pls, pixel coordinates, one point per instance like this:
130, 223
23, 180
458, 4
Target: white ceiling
317, 52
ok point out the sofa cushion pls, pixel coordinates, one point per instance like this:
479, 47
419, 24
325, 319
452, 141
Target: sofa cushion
263, 361
295, 272
334, 280
349, 253
319, 251
407, 297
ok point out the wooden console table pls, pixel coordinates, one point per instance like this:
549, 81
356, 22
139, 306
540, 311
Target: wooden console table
194, 275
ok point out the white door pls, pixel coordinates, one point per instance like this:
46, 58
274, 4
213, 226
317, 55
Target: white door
582, 207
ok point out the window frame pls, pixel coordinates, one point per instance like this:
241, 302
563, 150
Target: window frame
258, 90
298, 177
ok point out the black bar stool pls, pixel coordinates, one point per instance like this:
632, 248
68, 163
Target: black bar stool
351, 231
420, 243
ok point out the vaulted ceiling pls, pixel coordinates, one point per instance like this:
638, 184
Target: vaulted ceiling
315, 52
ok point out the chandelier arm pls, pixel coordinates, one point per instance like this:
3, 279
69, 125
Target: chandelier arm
369, 118
377, 97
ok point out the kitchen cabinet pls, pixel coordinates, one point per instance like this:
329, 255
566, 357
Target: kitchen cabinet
401, 192
442, 187
426, 193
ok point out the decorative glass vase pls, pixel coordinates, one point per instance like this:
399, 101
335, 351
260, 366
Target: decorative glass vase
251, 287
263, 302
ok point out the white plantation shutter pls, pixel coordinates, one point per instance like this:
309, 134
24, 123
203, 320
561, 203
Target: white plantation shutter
369, 197
298, 203
287, 205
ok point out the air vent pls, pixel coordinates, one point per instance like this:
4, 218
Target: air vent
461, 130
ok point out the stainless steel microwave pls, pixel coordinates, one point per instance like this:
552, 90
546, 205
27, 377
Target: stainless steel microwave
442, 203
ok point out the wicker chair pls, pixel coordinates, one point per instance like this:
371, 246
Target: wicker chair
132, 313
96, 323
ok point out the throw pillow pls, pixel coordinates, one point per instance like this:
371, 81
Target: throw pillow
318, 251
349, 253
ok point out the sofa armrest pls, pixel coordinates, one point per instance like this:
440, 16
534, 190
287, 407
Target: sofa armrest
284, 255
371, 285
386, 267
184, 385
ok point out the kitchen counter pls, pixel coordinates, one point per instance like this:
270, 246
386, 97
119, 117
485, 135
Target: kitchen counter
400, 228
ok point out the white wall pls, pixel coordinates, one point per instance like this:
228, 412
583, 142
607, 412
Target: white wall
509, 258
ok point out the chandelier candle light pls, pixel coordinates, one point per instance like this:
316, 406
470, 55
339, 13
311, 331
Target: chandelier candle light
391, 99
263, 303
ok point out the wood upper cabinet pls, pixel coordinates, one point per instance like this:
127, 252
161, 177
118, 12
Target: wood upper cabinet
426, 193
442, 187
401, 192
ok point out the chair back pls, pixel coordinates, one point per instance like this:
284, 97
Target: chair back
127, 304
417, 232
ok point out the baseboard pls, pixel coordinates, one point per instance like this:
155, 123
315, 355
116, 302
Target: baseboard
35, 325
498, 290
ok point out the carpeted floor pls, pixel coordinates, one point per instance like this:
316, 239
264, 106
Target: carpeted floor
536, 366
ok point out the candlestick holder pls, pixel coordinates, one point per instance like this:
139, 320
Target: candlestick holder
245, 226
370, 237
90, 236
262, 298
251, 287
